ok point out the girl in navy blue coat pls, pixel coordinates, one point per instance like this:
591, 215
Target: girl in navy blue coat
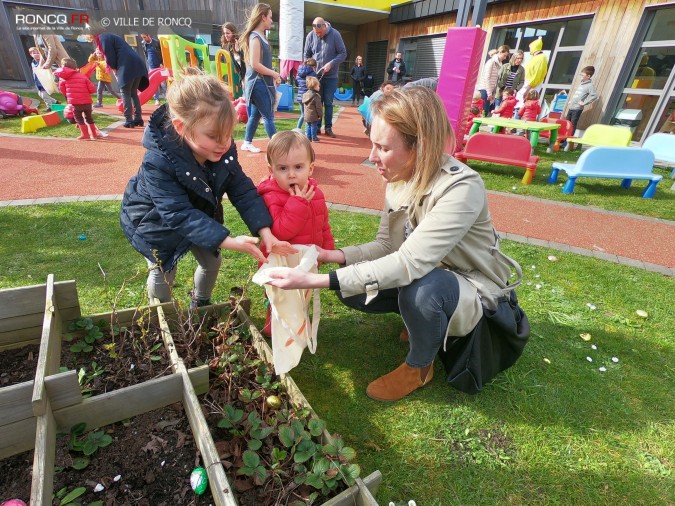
174, 204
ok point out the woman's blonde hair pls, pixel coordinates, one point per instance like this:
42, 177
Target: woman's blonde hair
518, 53
282, 142
312, 83
224, 43
255, 17
418, 114
197, 97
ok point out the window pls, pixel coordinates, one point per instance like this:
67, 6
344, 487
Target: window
563, 45
645, 103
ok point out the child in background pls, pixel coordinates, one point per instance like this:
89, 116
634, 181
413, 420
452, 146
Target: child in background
477, 101
174, 204
77, 89
505, 108
313, 108
474, 112
584, 95
296, 203
103, 77
531, 109
37, 62
307, 69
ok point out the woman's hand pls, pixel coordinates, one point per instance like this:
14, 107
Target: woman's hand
295, 278
245, 244
274, 245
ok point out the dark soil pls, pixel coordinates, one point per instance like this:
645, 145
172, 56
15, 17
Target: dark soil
18, 365
153, 454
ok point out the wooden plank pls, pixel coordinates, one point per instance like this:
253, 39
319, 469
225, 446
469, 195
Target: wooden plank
43, 459
360, 494
218, 483
50, 349
30, 299
63, 390
104, 409
23, 330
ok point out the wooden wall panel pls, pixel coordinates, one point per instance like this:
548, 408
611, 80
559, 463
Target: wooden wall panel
609, 40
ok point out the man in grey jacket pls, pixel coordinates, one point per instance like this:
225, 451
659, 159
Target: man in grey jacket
324, 43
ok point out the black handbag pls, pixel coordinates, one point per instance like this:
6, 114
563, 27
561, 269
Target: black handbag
492, 346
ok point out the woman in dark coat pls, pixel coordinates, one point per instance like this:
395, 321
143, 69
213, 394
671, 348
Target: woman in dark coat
131, 72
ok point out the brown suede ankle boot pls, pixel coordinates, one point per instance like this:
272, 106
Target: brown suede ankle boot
400, 382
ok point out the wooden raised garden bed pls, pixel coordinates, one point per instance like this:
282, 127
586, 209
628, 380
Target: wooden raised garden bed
33, 412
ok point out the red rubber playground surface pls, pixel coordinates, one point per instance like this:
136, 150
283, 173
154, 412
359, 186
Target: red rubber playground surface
46, 169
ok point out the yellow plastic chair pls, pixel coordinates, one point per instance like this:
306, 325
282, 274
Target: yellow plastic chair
602, 135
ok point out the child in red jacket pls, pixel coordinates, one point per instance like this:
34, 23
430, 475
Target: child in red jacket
505, 109
296, 203
531, 110
477, 101
78, 89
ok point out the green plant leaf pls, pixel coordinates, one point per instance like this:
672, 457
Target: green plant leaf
350, 473
73, 495
286, 435
260, 475
314, 480
251, 459
78, 429
304, 451
316, 427
224, 423
95, 503
278, 454
330, 449
80, 463
254, 444
321, 466
347, 453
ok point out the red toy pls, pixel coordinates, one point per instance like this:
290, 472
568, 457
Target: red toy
240, 107
564, 131
12, 104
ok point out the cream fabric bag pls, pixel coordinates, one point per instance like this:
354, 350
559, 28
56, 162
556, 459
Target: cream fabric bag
292, 328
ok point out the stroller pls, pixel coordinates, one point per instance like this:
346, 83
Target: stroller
368, 85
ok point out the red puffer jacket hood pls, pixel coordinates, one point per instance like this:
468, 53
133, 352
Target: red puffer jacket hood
75, 86
294, 218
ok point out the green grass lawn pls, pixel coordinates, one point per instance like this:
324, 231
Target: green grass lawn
553, 429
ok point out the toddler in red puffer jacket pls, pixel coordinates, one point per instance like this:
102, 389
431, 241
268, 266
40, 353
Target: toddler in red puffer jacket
78, 89
296, 203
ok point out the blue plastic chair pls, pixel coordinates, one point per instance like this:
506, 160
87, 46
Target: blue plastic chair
610, 162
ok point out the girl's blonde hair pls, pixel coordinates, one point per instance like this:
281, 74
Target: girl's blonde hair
420, 117
224, 43
259, 11
312, 83
197, 97
282, 142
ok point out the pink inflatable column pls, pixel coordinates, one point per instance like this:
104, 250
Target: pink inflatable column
462, 61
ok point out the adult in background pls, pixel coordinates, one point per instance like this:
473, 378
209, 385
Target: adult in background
229, 41
261, 78
511, 75
436, 259
53, 50
130, 70
358, 75
396, 68
535, 71
324, 43
487, 80
153, 55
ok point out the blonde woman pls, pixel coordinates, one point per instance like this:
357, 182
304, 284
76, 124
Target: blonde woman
436, 259
261, 78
